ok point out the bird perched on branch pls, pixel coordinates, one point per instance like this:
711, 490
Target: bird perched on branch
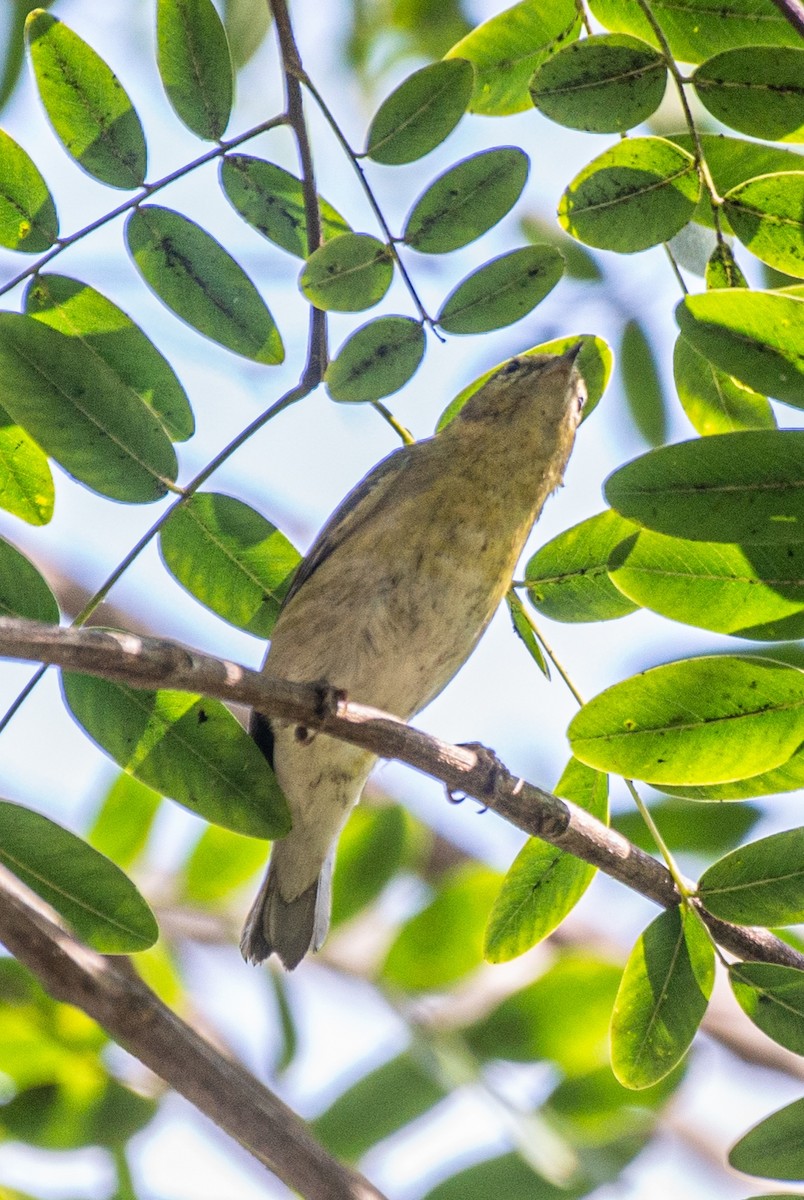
389, 603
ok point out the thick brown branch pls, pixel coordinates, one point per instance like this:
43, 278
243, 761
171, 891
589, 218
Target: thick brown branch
152, 663
111, 993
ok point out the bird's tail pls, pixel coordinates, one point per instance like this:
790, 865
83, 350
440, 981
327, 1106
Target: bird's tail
287, 928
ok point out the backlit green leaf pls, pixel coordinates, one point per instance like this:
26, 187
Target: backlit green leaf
124, 820
467, 200
193, 58
758, 884
773, 997
688, 827
722, 270
421, 112
220, 863
758, 90
28, 219
767, 214
26, 483
789, 777
525, 631
773, 1148
502, 291
643, 387
374, 845
23, 591
568, 578
377, 360
714, 401
348, 274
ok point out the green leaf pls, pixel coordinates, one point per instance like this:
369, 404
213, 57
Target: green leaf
89, 1109
348, 274
28, 219
773, 997
701, 720
87, 105
766, 215
732, 487
525, 631
690, 828
77, 409
271, 200
124, 820
639, 193
23, 591
189, 748
220, 863
247, 22
596, 1110
502, 291
192, 53
509, 1176
546, 1021
544, 883
568, 578
789, 777
697, 28
606, 83
77, 310
758, 884
377, 360
507, 49
663, 996
773, 1148
714, 401
756, 336
194, 276
643, 387
759, 91
230, 558
377, 1105
421, 113
467, 200
753, 592
444, 941
373, 846
595, 361
579, 263
722, 270
26, 483
84, 887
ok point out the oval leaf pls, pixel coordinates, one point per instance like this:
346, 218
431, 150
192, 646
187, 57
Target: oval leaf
507, 49
77, 310
467, 200
220, 863
189, 748
606, 83
78, 410
378, 359
26, 483
758, 884
375, 844
349, 274
86, 888
502, 291
568, 578
87, 105
753, 592
722, 270
230, 558
194, 276
773, 998
756, 336
271, 200
789, 777
525, 630
767, 214
643, 387
639, 193
23, 591
773, 1148
732, 487
421, 112
714, 401
759, 91
662, 999
193, 58
701, 720
28, 219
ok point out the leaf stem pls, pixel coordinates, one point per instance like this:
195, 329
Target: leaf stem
406, 436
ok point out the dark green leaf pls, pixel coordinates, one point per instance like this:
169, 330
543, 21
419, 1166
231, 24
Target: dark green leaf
467, 200
758, 884
77, 310
28, 219
193, 57
372, 848
87, 1110
78, 410
85, 887
759, 90
230, 558
23, 591
773, 1148
377, 360
690, 828
421, 112
568, 578
124, 820
220, 863
722, 270
640, 192
507, 49
526, 632
773, 997
194, 276
733, 487
579, 263
502, 291
767, 214
348, 274
714, 401
606, 83
271, 200
701, 720
26, 484
508, 1176
187, 747
663, 996
87, 105
643, 387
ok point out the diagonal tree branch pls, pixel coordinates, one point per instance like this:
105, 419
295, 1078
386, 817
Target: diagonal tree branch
792, 11
472, 771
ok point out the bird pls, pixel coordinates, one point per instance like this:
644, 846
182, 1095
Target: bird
391, 599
